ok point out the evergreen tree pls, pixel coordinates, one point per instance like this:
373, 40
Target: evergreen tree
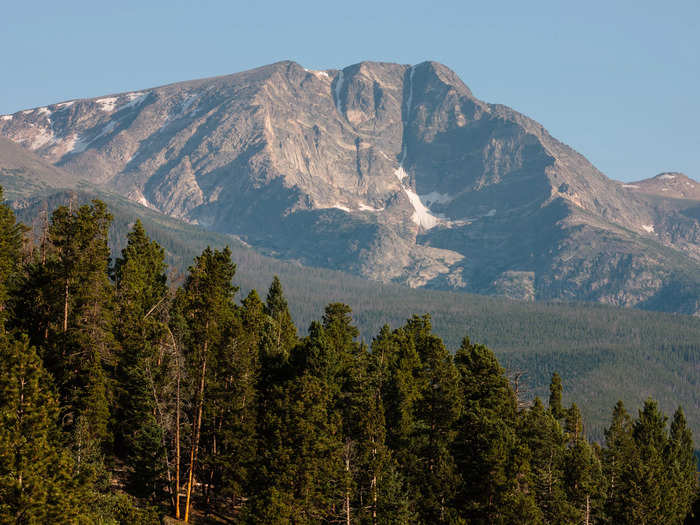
644, 482
543, 442
555, 390
140, 328
235, 397
10, 257
486, 443
583, 474
37, 482
76, 296
619, 448
204, 310
431, 471
283, 334
682, 469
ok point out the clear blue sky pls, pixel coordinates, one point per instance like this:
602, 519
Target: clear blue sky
617, 80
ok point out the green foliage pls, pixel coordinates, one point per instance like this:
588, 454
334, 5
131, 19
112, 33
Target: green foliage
11, 233
37, 481
225, 404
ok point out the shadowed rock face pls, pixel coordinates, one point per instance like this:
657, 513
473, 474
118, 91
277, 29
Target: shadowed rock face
394, 172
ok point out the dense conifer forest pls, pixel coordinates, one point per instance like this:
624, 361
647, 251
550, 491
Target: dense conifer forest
128, 398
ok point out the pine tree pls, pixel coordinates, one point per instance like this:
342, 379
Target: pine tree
302, 468
644, 480
79, 342
204, 309
10, 257
282, 334
543, 442
617, 454
681, 466
430, 469
555, 391
486, 443
583, 474
37, 483
236, 397
140, 328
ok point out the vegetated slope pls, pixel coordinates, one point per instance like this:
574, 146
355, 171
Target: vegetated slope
604, 353
23, 174
393, 172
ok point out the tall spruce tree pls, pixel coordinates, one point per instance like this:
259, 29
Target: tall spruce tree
10, 257
618, 451
141, 331
233, 439
37, 479
644, 480
555, 391
682, 469
543, 442
204, 310
68, 302
432, 471
485, 448
282, 334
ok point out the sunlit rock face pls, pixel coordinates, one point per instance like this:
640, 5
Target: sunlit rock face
394, 172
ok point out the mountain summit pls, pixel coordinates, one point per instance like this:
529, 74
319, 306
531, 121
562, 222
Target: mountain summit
393, 172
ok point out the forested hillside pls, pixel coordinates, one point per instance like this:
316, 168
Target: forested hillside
605, 353
124, 399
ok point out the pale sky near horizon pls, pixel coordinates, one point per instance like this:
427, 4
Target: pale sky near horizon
619, 81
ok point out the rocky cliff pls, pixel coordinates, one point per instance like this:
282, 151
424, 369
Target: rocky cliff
393, 172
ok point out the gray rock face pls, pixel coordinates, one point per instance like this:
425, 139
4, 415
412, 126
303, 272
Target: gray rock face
394, 172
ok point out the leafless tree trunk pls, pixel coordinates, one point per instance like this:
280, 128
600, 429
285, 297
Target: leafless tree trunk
194, 450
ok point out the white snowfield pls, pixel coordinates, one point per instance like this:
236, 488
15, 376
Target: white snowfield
422, 215
649, 228
6, 117
667, 176
107, 104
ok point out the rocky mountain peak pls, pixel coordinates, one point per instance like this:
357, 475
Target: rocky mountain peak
667, 184
391, 171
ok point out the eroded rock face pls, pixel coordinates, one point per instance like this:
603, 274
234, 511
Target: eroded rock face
394, 172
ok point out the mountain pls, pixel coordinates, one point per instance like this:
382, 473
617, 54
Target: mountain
392, 172
23, 174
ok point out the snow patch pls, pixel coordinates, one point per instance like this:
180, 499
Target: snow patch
649, 228
42, 138
44, 111
76, 145
64, 105
400, 173
6, 117
134, 100
107, 104
491, 213
422, 215
635, 186
365, 207
317, 73
138, 196
667, 176
341, 207
27, 111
